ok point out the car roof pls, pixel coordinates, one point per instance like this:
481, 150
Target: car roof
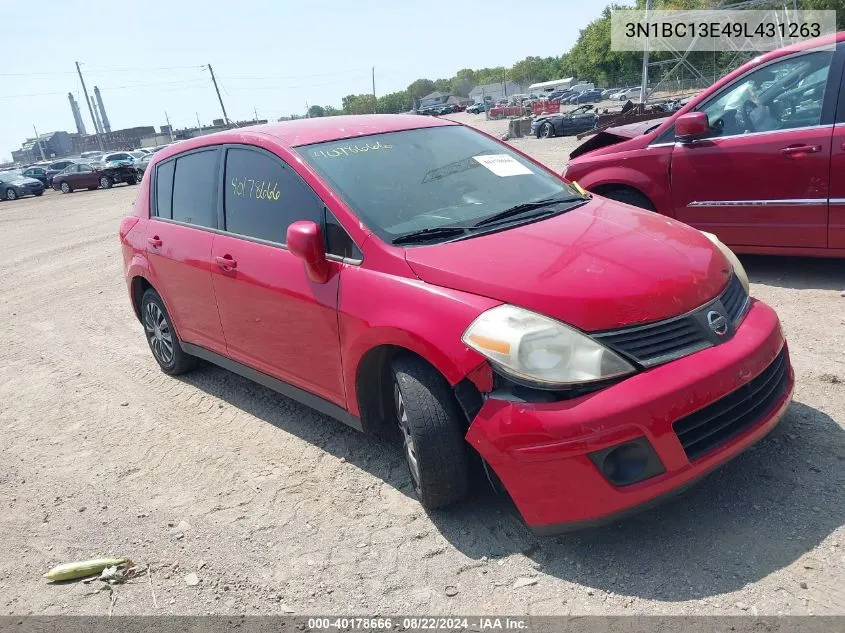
315, 130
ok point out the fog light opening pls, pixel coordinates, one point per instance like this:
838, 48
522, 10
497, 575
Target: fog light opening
628, 463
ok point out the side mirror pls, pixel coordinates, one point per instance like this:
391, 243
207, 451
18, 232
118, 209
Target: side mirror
691, 126
305, 241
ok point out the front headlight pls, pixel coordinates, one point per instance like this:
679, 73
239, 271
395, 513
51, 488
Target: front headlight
535, 349
739, 269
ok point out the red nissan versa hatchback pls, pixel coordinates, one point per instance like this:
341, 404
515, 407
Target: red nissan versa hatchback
757, 158
409, 270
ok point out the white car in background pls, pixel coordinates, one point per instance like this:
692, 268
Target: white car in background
628, 93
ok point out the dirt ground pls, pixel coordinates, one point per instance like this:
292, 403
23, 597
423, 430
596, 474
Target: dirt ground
277, 509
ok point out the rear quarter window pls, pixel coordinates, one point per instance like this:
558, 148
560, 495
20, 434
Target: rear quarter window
164, 190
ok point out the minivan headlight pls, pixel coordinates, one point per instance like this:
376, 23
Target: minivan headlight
535, 349
739, 269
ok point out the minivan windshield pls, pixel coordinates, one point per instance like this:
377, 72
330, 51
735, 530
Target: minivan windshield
428, 180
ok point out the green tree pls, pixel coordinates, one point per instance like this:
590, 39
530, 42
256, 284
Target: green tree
316, 111
394, 102
420, 88
358, 104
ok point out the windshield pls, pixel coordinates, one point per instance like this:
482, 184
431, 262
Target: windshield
404, 182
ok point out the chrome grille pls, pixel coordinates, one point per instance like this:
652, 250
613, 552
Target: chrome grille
662, 341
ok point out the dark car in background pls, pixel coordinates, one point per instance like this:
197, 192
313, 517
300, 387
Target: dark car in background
588, 96
14, 185
93, 175
38, 172
56, 167
578, 120
477, 108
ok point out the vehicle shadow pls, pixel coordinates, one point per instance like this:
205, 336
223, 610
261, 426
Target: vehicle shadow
755, 515
802, 273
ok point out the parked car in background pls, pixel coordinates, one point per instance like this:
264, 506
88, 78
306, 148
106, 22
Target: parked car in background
117, 159
627, 94
92, 155
55, 167
37, 172
588, 96
94, 175
564, 124
138, 154
14, 185
756, 158
607, 92
141, 164
477, 107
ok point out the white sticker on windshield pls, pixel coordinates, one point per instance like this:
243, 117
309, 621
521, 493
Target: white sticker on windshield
502, 164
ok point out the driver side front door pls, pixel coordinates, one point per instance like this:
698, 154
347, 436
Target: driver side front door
762, 187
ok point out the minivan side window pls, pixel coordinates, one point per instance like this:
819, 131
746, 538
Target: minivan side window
195, 188
263, 196
164, 189
783, 95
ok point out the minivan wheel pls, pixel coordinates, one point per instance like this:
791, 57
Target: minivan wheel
432, 429
629, 196
65, 188
105, 182
161, 337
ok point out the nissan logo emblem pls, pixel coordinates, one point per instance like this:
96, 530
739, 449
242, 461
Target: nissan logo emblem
717, 322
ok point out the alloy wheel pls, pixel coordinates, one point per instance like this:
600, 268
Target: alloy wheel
407, 438
158, 333
65, 188
11, 194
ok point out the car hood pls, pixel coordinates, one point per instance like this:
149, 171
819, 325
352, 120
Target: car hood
24, 180
603, 265
616, 135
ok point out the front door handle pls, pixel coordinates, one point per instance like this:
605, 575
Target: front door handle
792, 150
154, 241
226, 262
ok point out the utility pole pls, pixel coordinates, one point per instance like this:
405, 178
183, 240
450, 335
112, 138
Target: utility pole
374, 91
219, 98
255, 110
169, 127
644, 85
199, 125
40, 147
90, 109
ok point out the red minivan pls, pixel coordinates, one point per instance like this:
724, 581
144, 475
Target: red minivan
405, 271
757, 158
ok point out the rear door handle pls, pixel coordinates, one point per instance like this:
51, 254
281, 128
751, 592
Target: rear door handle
226, 262
801, 149
154, 241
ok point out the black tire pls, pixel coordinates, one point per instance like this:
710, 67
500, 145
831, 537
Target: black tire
106, 182
132, 180
65, 187
547, 130
629, 196
39, 193
11, 194
158, 328
433, 429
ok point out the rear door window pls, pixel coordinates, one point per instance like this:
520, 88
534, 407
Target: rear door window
164, 189
195, 188
263, 196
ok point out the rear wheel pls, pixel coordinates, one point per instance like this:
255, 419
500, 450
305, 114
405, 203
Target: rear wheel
432, 429
161, 336
66, 188
628, 196
11, 194
105, 182
132, 179
547, 130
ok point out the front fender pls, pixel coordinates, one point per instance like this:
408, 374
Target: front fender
376, 309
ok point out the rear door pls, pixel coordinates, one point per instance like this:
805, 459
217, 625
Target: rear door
84, 176
836, 227
762, 177
179, 238
274, 318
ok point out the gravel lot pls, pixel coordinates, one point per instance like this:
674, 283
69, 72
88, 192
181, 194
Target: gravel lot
278, 509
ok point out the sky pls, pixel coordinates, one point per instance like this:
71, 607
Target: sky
270, 57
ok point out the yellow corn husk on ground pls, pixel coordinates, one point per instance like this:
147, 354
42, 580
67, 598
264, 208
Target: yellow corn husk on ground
81, 569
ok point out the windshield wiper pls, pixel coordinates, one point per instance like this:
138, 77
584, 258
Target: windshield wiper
423, 235
525, 208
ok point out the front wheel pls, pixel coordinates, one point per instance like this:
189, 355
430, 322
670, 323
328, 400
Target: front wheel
11, 194
39, 193
161, 337
65, 188
547, 130
432, 428
132, 180
105, 182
